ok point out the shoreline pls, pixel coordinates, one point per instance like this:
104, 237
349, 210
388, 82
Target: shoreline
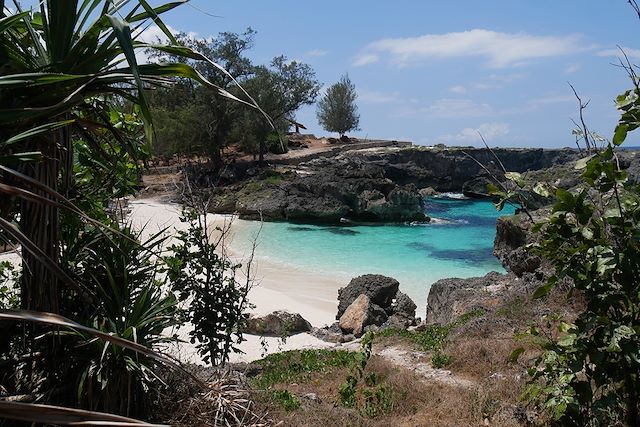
276, 287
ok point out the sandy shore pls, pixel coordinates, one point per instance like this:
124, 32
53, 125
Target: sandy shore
277, 287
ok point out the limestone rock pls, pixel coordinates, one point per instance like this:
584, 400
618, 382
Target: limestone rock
451, 298
403, 306
279, 323
361, 313
379, 289
512, 234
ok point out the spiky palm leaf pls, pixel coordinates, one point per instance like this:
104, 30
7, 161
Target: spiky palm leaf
55, 63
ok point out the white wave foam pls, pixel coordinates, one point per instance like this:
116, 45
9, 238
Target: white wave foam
454, 196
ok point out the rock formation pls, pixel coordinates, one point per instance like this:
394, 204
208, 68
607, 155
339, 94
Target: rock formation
279, 323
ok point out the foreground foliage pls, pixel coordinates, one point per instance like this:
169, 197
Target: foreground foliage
75, 129
589, 375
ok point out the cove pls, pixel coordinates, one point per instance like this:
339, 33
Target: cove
457, 243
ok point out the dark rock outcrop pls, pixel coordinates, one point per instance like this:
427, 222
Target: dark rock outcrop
279, 323
477, 187
381, 290
324, 190
513, 233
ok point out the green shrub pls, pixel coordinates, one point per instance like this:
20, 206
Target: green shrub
277, 143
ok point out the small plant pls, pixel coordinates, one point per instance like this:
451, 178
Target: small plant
365, 391
440, 359
286, 399
206, 278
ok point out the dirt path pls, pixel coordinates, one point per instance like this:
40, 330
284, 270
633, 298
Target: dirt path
418, 363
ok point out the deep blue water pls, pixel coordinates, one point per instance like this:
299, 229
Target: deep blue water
457, 243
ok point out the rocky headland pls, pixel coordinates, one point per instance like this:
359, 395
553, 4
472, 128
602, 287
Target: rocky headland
357, 183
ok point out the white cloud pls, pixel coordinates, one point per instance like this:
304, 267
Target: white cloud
365, 59
572, 68
316, 53
489, 131
633, 54
447, 108
375, 97
551, 99
153, 34
499, 49
458, 89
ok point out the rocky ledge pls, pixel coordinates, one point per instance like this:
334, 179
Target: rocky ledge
323, 190
368, 185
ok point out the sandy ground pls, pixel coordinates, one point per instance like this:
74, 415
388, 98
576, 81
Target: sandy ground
277, 287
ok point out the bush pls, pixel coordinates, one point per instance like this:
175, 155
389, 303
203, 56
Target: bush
277, 144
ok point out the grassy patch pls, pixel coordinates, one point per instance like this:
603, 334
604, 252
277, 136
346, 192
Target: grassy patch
433, 338
271, 177
515, 309
288, 402
298, 365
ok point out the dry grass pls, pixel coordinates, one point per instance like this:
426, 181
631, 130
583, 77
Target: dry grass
415, 402
224, 399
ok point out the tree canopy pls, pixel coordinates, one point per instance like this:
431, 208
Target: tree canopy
193, 121
337, 110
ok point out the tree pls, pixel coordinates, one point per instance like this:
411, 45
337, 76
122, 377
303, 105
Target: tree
337, 111
280, 90
187, 103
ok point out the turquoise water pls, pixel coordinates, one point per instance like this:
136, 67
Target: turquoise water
457, 243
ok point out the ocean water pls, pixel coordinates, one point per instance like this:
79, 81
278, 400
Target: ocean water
457, 243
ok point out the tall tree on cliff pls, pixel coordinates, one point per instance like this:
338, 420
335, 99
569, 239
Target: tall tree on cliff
337, 110
280, 90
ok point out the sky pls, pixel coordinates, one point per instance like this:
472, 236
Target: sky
441, 71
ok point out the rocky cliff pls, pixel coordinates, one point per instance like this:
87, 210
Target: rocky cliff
372, 185
327, 190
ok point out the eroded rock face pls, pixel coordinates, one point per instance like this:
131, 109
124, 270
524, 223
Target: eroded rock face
325, 190
381, 290
279, 323
360, 314
512, 234
477, 187
451, 298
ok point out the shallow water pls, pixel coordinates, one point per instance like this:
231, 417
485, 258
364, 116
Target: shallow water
457, 243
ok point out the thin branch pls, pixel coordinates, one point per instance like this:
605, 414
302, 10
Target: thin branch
635, 6
585, 130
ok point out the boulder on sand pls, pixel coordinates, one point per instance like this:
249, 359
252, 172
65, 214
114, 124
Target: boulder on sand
279, 323
361, 313
379, 289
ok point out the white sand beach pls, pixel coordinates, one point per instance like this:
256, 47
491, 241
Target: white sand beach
277, 287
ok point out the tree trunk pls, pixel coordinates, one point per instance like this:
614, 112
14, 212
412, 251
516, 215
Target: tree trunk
39, 222
261, 149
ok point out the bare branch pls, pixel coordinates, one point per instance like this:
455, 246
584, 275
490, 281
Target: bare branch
590, 145
635, 6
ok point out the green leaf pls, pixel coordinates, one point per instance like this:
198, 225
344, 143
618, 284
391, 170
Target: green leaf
515, 354
541, 189
46, 128
18, 158
515, 177
582, 163
620, 333
620, 134
543, 290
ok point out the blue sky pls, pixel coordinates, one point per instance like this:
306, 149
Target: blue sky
438, 71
